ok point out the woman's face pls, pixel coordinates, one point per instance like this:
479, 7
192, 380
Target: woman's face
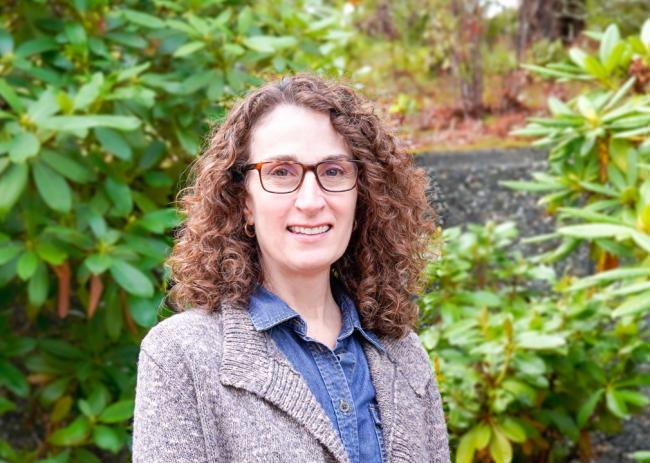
308, 137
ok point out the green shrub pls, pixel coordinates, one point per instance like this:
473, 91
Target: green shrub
104, 105
526, 375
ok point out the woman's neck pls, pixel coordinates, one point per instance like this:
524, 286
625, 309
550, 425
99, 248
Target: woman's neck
310, 296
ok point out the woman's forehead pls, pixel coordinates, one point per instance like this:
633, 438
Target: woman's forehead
291, 130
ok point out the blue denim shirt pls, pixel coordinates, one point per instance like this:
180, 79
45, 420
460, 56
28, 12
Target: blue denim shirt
339, 378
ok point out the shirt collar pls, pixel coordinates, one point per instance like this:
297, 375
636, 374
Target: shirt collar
268, 310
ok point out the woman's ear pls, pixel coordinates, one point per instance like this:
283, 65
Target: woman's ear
248, 215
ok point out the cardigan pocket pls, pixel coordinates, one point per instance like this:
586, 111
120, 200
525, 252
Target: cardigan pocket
376, 418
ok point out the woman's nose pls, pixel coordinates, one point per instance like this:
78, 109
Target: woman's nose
310, 194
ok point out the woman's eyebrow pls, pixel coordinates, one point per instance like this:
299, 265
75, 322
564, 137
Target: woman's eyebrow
292, 157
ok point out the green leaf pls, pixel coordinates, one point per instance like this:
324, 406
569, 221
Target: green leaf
13, 379
143, 19
128, 73
60, 348
591, 231
587, 408
621, 273
8, 252
23, 146
27, 264
54, 390
430, 337
50, 252
98, 263
500, 447
9, 95
98, 399
188, 49
117, 412
76, 33
67, 167
481, 435
53, 188
642, 455
12, 184
559, 108
35, 46
120, 194
6, 405
145, 310
633, 305
616, 404
586, 108
6, 42
269, 44
107, 438
114, 142
131, 279
645, 34
620, 93
578, 57
38, 286
75, 433
74, 123
88, 92
466, 449
635, 398
565, 424
160, 220
610, 39
513, 430
46, 106
536, 341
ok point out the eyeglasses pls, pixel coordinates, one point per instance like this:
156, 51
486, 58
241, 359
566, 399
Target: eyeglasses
281, 177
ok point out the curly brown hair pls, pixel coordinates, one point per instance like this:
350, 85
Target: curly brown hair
213, 262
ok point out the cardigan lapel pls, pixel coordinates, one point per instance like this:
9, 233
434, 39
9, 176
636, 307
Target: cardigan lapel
382, 372
252, 362
400, 358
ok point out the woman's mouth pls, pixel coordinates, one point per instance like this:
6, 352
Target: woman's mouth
301, 230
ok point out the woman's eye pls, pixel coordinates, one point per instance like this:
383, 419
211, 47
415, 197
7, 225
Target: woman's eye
333, 172
280, 172
283, 171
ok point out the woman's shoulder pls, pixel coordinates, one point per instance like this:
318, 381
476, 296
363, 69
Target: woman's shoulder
184, 332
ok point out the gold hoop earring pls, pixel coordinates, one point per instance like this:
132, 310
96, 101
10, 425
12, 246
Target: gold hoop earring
354, 225
247, 232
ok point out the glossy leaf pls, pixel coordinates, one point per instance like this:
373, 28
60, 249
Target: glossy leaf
53, 188
75, 433
12, 184
13, 379
23, 146
107, 438
114, 143
117, 412
131, 279
74, 123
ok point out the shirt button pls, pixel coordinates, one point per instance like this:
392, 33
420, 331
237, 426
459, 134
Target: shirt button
344, 406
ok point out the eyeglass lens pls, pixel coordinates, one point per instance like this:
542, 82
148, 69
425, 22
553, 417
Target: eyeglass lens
281, 176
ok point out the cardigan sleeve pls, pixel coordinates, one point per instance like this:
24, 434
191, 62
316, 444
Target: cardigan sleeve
166, 422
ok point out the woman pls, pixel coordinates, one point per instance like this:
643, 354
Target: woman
305, 236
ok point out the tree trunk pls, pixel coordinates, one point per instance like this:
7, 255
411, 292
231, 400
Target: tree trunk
467, 61
549, 19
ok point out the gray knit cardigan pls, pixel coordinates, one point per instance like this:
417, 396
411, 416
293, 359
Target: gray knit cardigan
210, 388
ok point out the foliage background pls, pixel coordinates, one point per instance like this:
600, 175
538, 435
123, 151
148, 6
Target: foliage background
103, 105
